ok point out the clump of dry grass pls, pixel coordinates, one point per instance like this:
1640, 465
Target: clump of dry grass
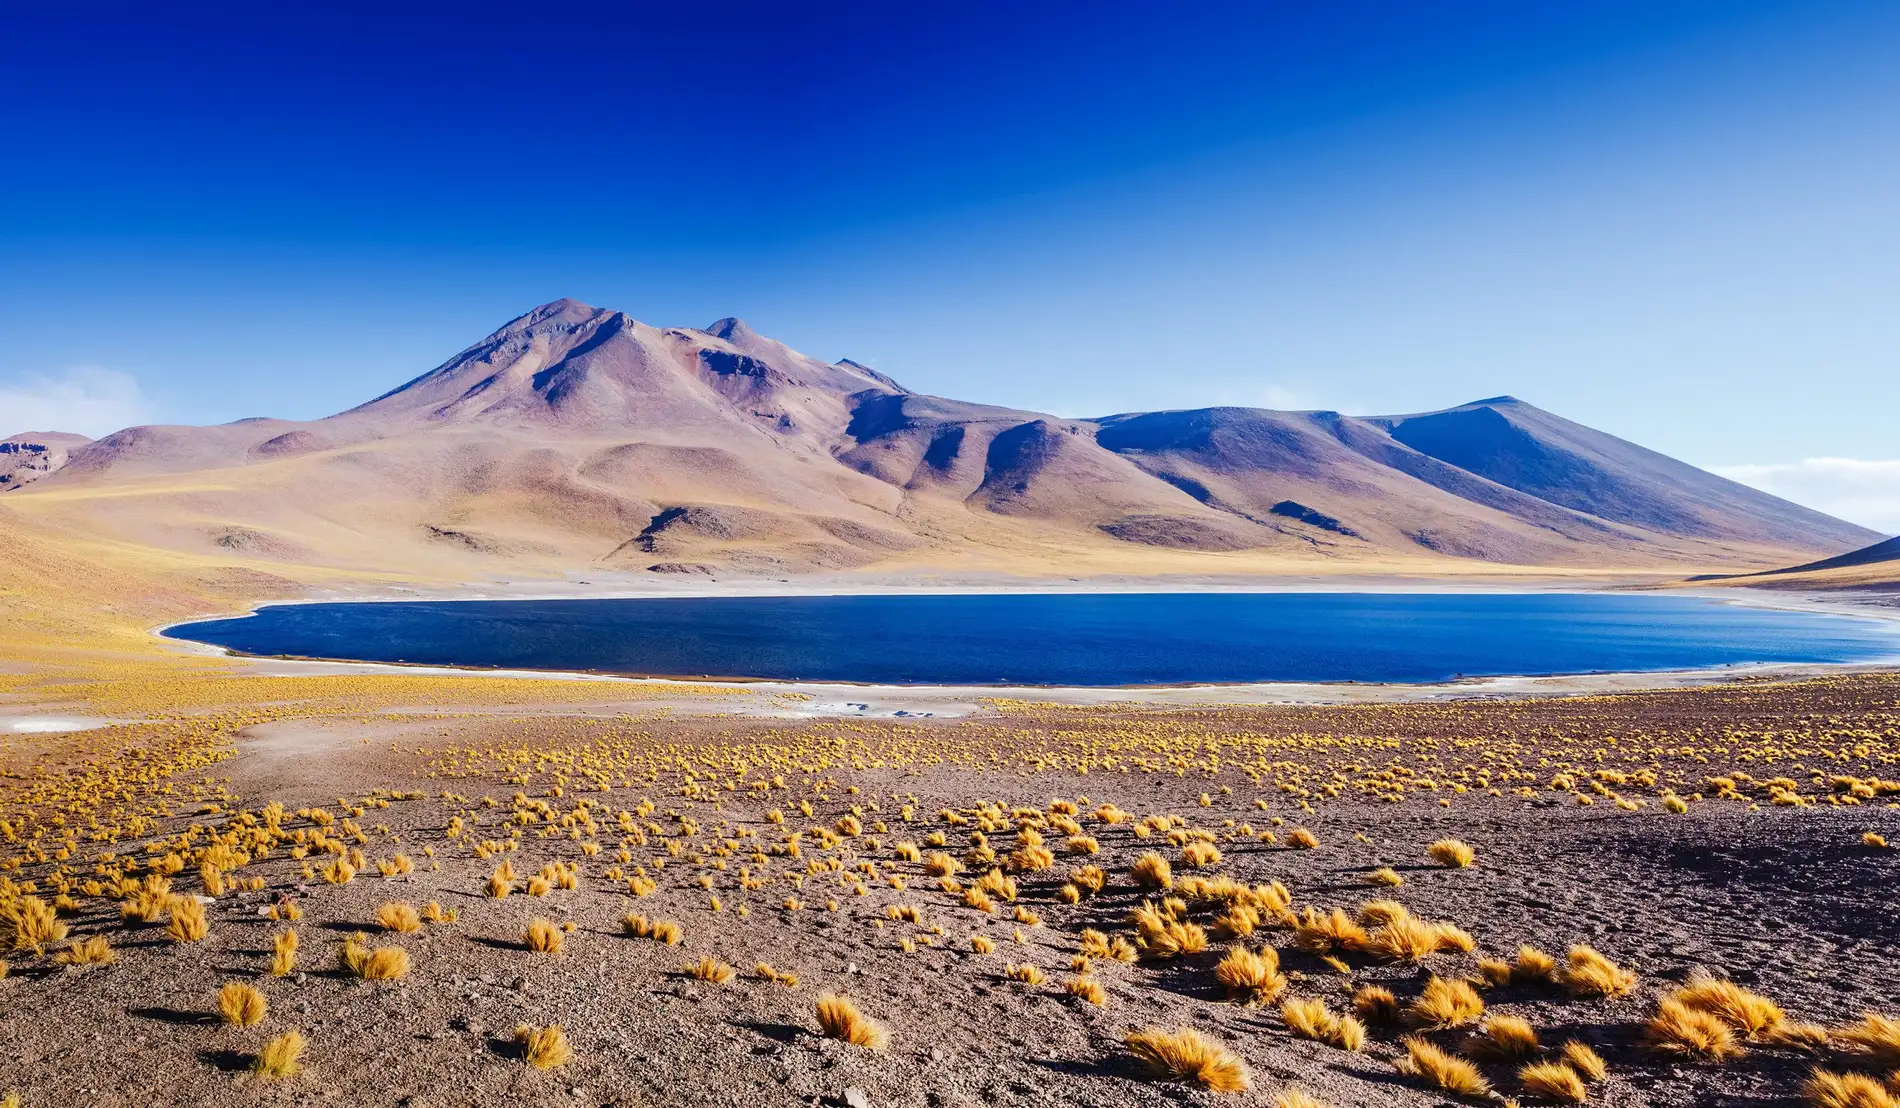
1826, 1089
544, 1048
384, 963
1298, 1098
1185, 1054
1375, 1004
1309, 1018
1586, 1061
240, 1005
1747, 1012
1451, 853
29, 923
1677, 1028
1085, 987
982, 944
280, 1058
839, 1018
1152, 872
1323, 933
1590, 974
1302, 839
543, 937
1200, 855
1445, 1003
283, 953
1503, 1039
1553, 1081
398, 917
1160, 935
187, 922
1026, 973
712, 969
95, 951
1873, 840
1440, 1070
1252, 977
1876, 1036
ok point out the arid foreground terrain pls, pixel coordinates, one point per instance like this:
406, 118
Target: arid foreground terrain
394, 889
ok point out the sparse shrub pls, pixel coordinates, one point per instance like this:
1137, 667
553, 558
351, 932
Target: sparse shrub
95, 951
1309, 1018
1152, 872
283, 956
1443, 1071
1590, 974
542, 937
1385, 877
1185, 1054
712, 969
1445, 1003
1587, 1062
1084, 987
398, 917
1251, 977
1677, 1028
1375, 1004
240, 1005
544, 1048
280, 1058
384, 963
1747, 1012
1302, 839
1503, 1039
29, 923
187, 923
839, 1018
1451, 853
1025, 973
1552, 1081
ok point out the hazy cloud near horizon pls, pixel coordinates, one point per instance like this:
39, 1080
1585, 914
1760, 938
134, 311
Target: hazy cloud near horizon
1863, 492
87, 400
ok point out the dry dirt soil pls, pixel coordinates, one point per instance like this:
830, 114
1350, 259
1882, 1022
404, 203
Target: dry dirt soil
1764, 878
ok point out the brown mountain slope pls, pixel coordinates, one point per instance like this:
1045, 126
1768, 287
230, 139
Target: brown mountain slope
1871, 567
576, 437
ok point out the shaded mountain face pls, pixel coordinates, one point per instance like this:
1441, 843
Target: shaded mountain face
578, 436
27, 457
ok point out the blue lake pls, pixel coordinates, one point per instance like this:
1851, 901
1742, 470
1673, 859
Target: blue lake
1065, 639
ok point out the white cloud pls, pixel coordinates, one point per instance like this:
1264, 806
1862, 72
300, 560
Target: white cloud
1867, 493
85, 399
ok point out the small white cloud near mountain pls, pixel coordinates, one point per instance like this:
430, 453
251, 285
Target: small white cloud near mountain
87, 399
1866, 492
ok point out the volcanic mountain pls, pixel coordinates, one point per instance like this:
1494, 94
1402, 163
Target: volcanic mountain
578, 440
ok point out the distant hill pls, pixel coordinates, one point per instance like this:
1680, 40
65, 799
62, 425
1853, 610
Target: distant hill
577, 439
30, 456
1871, 567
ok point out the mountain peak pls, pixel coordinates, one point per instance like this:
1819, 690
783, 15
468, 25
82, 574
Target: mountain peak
566, 310
733, 329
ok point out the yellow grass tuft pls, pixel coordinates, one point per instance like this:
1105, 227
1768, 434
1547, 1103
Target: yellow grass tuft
1590, 974
1586, 1061
1445, 1003
280, 1058
1298, 1098
283, 953
29, 923
1302, 839
1152, 872
1826, 1089
543, 937
1251, 977
95, 951
1185, 1054
1677, 1028
1875, 1035
1747, 1012
1309, 1018
839, 1018
384, 963
1873, 840
239, 1005
1026, 973
399, 917
1442, 1071
1087, 988
1504, 1039
1451, 853
712, 969
187, 923
1375, 1004
544, 1048
1552, 1081
982, 944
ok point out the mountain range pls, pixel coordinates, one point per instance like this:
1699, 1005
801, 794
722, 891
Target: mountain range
578, 440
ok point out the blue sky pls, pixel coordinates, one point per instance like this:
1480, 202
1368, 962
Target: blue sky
1678, 222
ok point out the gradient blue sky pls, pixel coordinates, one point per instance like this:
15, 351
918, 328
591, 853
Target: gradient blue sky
1678, 222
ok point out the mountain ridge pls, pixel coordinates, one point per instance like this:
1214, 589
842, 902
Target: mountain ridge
576, 436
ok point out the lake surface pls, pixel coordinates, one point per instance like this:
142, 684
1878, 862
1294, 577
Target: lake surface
1101, 639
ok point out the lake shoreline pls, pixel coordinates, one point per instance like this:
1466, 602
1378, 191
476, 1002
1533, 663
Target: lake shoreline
873, 697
